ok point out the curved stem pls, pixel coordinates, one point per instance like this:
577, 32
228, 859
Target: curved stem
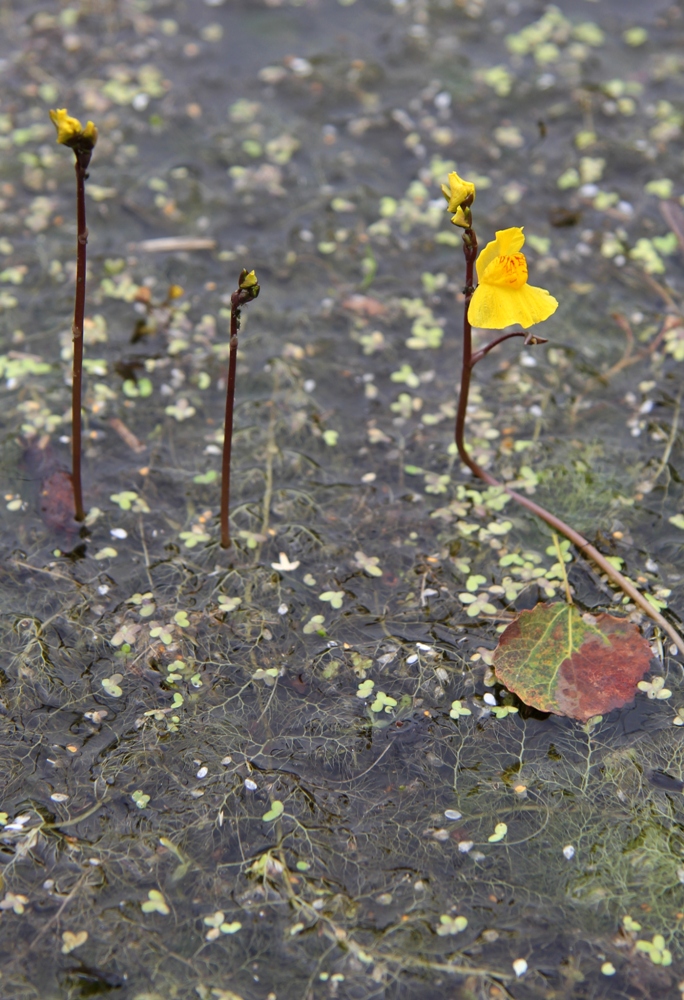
530, 338
592, 553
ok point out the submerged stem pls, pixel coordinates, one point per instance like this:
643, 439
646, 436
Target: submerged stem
592, 553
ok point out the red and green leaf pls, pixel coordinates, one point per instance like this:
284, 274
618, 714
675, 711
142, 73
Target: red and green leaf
557, 661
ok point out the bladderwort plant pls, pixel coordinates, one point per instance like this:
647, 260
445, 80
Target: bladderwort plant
503, 298
82, 141
247, 290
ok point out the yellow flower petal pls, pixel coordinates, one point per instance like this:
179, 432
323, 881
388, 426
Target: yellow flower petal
90, 132
510, 240
507, 241
459, 219
457, 192
249, 280
490, 253
503, 297
497, 306
67, 127
509, 271
70, 132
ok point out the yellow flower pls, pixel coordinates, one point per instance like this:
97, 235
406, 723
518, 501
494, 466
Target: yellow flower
249, 280
458, 191
70, 132
503, 296
458, 194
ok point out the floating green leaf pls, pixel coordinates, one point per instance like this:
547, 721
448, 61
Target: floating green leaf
557, 661
111, 685
335, 597
458, 709
383, 702
451, 925
106, 553
204, 478
228, 603
73, 941
656, 950
315, 624
128, 500
277, 809
500, 831
155, 903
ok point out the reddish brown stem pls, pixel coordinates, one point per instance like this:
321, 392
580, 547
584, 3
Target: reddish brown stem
247, 290
228, 425
470, 251
529, 339
82, 161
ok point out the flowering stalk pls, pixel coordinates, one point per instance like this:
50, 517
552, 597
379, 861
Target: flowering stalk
500, 275
82, 141
82, 160
248, 289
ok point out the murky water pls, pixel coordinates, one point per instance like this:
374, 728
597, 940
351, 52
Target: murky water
243, 774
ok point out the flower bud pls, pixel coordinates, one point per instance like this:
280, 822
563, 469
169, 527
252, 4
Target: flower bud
459, 194
248, 279
71, 133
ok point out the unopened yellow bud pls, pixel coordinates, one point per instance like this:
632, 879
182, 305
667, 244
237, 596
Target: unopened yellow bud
175, 291
90, 132
457, 193
70, 132
249, 280
462, 218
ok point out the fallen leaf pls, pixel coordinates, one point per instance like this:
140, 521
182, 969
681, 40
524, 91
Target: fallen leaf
557, 662
57, 502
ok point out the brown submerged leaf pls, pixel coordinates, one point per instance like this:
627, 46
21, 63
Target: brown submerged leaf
57, 502
557, 662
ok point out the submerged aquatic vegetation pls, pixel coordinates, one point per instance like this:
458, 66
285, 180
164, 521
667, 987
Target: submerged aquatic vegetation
386, 815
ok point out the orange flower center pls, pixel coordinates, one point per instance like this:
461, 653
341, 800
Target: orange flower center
509, 270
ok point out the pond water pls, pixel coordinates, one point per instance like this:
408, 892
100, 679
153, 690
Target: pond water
247, 774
